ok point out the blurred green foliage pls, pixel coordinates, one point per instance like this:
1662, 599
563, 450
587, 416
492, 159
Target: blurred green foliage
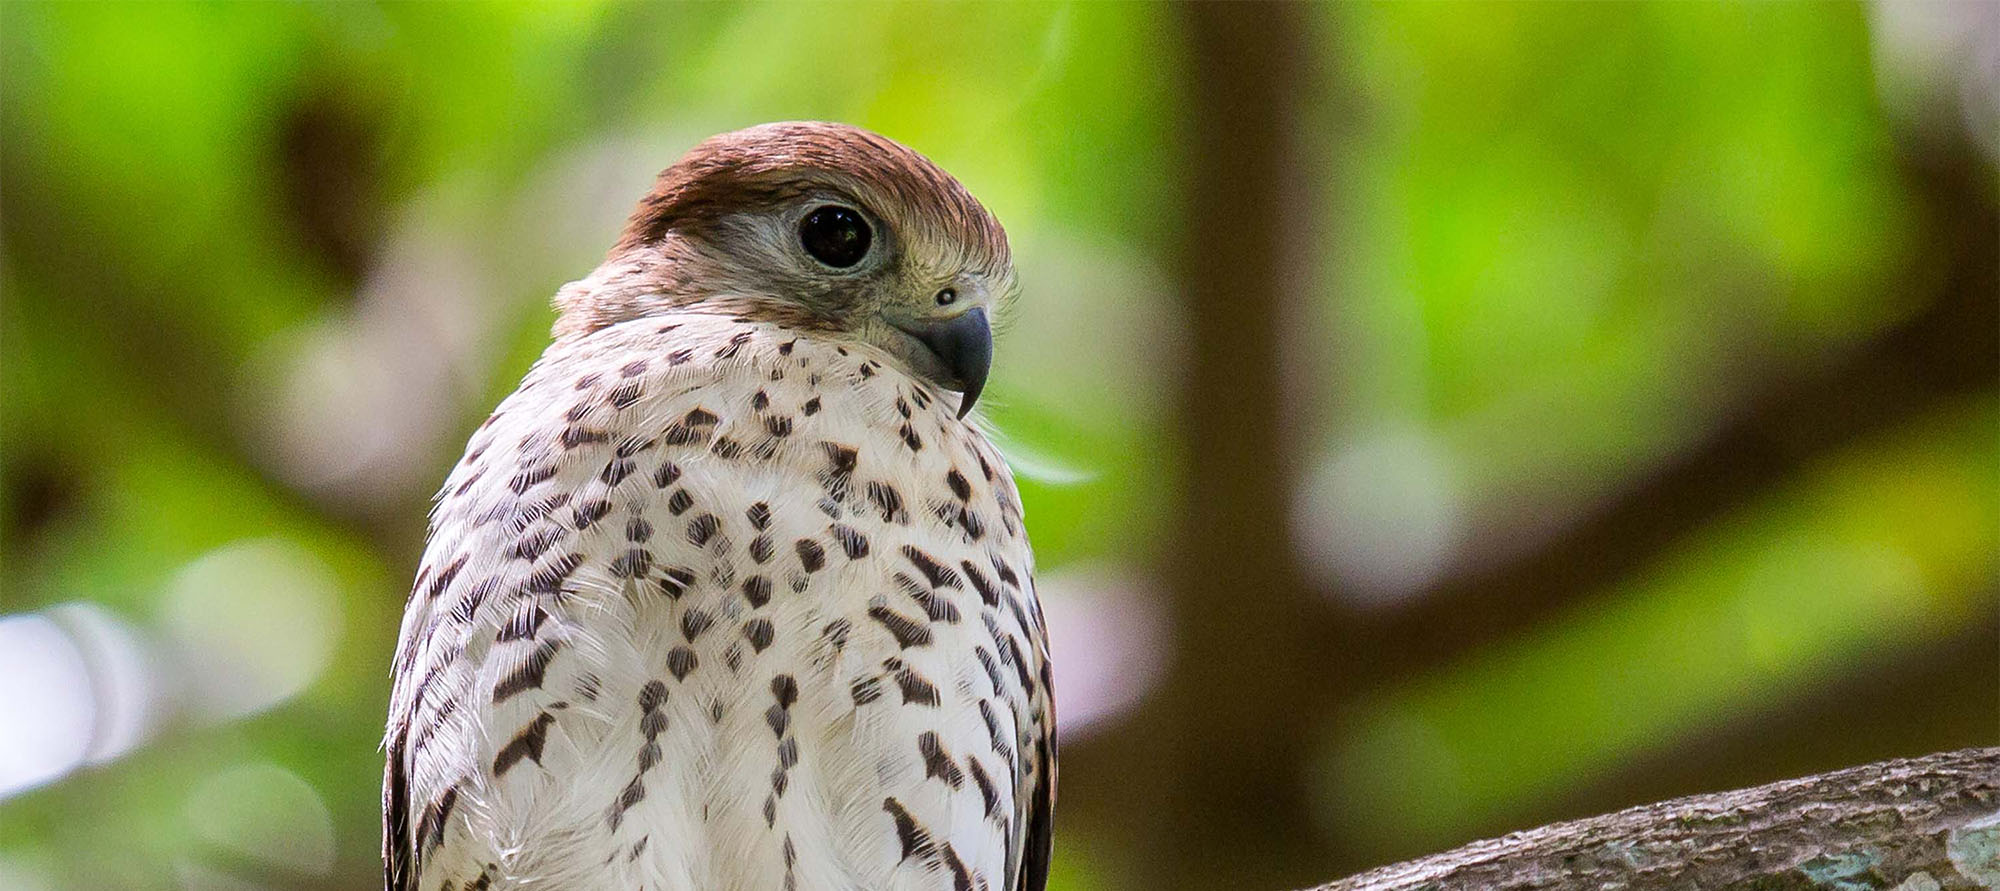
1574, 230
1561, 245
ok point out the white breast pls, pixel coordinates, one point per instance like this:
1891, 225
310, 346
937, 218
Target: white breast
723, 606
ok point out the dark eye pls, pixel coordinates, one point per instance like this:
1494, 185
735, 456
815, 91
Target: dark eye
835, 235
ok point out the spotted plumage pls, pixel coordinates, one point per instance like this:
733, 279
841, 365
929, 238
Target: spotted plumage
728, 594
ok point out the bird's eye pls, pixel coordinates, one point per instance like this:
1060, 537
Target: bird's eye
835, 235
947, 297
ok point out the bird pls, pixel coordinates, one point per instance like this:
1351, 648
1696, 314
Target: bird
734, 591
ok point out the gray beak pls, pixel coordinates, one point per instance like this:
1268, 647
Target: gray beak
964, 345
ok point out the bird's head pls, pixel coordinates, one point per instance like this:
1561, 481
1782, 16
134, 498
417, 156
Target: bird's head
821, 226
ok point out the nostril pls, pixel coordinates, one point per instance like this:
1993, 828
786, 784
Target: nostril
947, 297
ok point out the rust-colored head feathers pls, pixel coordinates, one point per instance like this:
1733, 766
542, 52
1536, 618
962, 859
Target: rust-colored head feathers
721, 229
773, 163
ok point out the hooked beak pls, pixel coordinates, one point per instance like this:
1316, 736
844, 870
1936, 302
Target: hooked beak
964, 345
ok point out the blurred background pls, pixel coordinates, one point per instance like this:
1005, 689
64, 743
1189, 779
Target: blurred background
1434, 420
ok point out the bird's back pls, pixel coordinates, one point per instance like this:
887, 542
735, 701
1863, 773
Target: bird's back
714, 604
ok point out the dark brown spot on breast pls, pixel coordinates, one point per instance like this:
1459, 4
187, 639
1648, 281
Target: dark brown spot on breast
652, 696
625, 394
527, 743
617, 470
865, 690
836, 633
590, 512
757, 590
961, 879
634, 793
524, 624
917, 690
702, 528
939, 575
537, 541
680, 662
528, 675
694, 622
989, 594
444, 579
937, 606
760, 633
785, 689
531, 477
638, 530
840, 459
988, 793
549, 578
811, 555
430, 828
735, 345
675, 581
937, 762
576, 436
908, 632
916, 840
1005, 572
632, 564
888, 501
851, 541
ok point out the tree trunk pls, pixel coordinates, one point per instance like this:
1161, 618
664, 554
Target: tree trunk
1230, 727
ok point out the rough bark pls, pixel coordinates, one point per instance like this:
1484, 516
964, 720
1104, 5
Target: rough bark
1921, 824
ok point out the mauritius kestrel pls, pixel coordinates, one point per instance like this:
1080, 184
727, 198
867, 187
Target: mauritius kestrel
731, 593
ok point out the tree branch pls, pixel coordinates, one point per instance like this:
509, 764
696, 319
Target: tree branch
1946, 352
1921, 824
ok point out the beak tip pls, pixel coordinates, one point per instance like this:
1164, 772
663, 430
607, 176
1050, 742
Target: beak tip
964, 346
